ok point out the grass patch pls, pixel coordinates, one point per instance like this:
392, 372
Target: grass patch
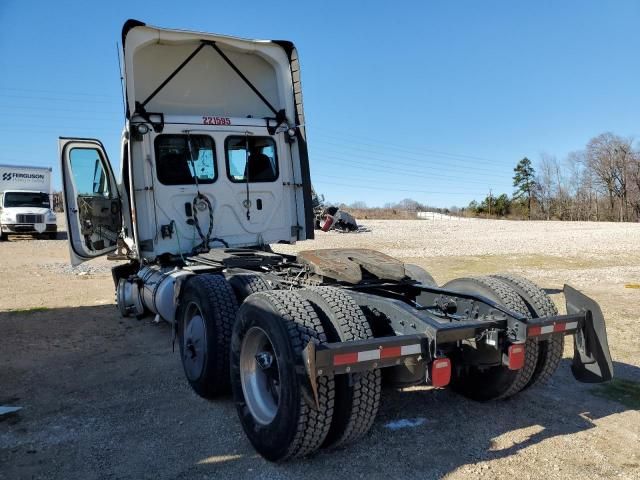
626, 392
29, 310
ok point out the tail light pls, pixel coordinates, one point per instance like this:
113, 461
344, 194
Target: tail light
440, 372
516, 356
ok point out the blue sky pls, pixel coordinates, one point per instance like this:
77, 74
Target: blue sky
434, 101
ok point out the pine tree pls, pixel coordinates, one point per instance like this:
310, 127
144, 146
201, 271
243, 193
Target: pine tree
524, 181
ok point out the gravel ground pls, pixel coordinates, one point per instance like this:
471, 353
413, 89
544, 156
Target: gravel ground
105, 397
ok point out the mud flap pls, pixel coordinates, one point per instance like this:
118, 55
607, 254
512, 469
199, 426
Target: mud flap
591, 356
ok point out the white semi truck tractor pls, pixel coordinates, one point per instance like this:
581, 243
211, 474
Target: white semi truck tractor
213, 171
25, 201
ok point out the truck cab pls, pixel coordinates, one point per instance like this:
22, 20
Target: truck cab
213, 151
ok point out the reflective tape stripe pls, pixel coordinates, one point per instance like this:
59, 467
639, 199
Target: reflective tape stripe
546, 329
345, 358
377, 354
536, 330
368, 355
390, 352
411, 349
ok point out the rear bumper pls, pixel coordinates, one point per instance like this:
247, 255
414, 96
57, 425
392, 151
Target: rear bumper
424, 338
27, 228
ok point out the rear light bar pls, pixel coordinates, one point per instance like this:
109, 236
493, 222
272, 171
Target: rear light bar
380, 353
556, 327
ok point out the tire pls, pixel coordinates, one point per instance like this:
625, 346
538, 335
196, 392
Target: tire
52, 235
3, 237
497, 382
539, 304
244, 284
416, 272
205, 320
357, 397
277, 410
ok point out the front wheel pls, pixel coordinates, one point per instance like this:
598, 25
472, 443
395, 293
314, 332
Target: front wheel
275, 404
204, 321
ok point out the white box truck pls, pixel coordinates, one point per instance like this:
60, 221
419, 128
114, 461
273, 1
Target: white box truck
25, 201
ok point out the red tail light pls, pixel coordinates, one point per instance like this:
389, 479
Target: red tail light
516, 356
440, 372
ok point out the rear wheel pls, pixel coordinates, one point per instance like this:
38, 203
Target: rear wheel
273, 397
493, 382
205, 319
244, 284
357, 397
551, 349
416, 272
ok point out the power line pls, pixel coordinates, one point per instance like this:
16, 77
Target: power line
45, 108
412, 162
30, 97
425, 149
393, 171
448, 161
394, 190
57, 92
377, 181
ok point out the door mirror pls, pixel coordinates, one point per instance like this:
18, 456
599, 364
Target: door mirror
92, 201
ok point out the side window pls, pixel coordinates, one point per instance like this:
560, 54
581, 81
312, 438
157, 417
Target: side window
180, 158
89, 174
252, 158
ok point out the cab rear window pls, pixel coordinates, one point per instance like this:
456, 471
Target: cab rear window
251, 158
183, 159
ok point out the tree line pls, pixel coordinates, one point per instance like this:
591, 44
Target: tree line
599, 183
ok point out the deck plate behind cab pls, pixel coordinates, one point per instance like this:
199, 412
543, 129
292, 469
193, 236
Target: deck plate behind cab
347, 265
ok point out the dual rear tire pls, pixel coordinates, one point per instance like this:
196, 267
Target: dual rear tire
541, 356
267, 334
273, 395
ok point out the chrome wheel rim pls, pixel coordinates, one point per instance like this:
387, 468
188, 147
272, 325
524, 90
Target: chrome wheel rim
194, 342
260, 375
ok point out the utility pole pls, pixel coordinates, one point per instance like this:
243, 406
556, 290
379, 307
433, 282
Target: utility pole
490, 201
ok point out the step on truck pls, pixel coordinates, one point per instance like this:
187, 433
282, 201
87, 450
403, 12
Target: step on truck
213, 170
25, 201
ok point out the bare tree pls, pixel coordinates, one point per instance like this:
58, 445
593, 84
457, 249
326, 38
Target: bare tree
610, 157
545, 185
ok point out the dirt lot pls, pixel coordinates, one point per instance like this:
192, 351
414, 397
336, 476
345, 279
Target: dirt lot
105, 397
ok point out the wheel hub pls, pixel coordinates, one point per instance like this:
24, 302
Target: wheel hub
260, 375
195, 343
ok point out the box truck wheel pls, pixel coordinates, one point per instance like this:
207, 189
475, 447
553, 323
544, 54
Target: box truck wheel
489, 383
357, 397
273, 396
540, 305
205, 317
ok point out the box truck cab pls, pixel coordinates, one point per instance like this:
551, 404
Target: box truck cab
25, 201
